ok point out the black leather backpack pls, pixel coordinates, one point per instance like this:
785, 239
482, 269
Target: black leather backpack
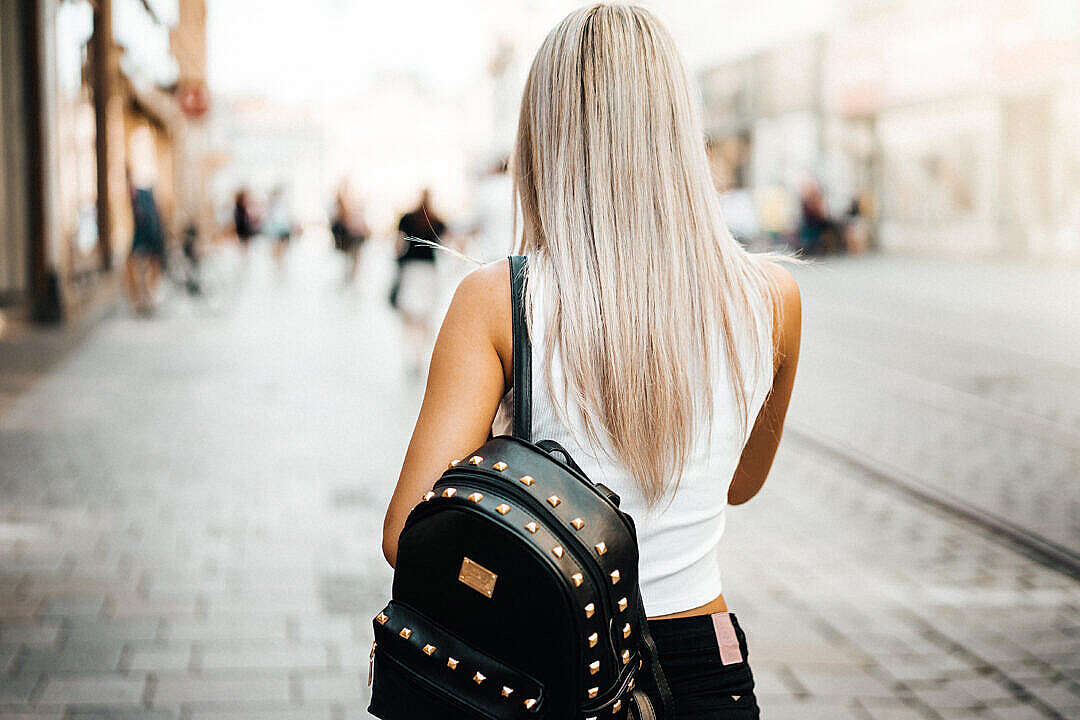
516, 589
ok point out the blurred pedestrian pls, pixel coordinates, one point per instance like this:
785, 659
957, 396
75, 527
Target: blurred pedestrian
416, 285
859, 226
278, 222
349, 230
818, 233
244, 220
189, 251
146, 261
663, 360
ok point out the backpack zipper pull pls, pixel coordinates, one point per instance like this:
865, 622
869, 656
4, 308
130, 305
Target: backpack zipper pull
371, 663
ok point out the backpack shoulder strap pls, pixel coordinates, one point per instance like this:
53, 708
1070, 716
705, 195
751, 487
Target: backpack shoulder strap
522, 353
655, 679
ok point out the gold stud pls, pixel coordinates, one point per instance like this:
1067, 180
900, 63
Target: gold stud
554, 500
616, 707
593, 639
526, 480
449, 492
578, 523
476, 497
577, 578
506, 691
475, 460
429, 650
405, 633
451, 663
630, 685
557, 551
601, 548
381, 618
502, 508
625, 656
589, 610
626, 630
453, 463
593, 692
615, 577
532, 527
500, 466
530, 703
479, 677
428, 495
594, 667
622, 604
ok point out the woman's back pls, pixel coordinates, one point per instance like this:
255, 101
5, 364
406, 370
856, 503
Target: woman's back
664, 353
678, 535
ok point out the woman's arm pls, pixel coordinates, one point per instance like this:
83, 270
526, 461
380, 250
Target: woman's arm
465, 383
757, 456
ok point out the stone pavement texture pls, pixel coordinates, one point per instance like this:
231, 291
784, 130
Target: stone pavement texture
965, 378
190, 512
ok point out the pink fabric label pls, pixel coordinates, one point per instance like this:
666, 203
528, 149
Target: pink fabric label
726, 639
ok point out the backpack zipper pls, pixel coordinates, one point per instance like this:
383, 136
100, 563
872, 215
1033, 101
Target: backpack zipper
371, 663
501, 481
576, 473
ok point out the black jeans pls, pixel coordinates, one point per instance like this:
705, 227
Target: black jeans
706, 664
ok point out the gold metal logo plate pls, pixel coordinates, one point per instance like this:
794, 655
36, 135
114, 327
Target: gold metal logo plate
478, 577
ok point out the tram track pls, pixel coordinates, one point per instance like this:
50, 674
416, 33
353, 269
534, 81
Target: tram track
1033, 545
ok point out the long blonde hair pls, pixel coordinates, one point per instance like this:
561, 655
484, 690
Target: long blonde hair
619, 213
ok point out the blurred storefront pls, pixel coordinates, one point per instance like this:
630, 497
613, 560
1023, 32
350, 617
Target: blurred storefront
95, 95
957, 120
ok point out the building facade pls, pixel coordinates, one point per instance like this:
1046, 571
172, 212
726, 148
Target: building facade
957, 118
94, 97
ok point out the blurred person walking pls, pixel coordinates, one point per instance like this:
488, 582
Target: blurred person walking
859, 226
146, 261
349, 230
415, 289
665, 357
245, 221
818, 233
189, 260
278, 223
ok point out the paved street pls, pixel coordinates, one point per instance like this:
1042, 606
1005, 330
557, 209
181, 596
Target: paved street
965, 380
190, 506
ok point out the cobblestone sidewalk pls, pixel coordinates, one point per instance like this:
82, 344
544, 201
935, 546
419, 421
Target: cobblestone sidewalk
190, 512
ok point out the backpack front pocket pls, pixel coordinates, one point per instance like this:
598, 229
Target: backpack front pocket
422, 670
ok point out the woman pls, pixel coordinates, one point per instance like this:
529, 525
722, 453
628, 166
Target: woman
416, 287
349, 230
664, 354
278, 223
147, 258
244, 221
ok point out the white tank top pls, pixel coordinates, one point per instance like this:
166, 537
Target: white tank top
679, 536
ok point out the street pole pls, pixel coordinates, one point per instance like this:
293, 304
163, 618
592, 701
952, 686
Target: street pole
45, 305
102, 78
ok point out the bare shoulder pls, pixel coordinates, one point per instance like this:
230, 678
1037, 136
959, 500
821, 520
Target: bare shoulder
483, 300
487, 284
785, 283
787, 290
789, 299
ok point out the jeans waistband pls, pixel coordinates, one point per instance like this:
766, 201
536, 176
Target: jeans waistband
697, 633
